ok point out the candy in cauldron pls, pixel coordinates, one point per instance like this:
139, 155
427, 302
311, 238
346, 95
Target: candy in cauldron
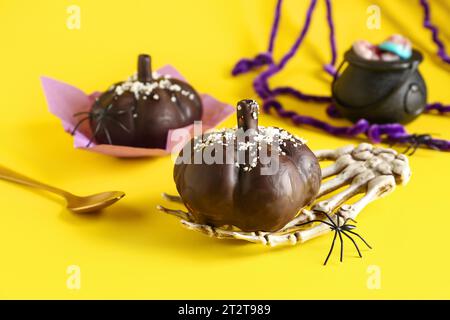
380, 91
241, 187
140, 112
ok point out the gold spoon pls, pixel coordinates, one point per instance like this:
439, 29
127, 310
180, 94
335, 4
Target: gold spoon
75, 203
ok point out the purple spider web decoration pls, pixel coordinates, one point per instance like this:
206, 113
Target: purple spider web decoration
393, 133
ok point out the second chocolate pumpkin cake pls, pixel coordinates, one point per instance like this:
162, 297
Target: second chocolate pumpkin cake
140, 112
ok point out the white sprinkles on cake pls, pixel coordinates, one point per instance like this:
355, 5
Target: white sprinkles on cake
145, 89
265, 136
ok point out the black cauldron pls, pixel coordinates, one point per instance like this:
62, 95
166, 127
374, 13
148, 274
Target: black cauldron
380, 91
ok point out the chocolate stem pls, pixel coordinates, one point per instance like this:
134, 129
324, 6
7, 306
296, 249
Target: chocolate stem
247, 114
144, 68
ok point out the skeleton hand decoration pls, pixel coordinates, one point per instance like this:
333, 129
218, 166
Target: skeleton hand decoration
374, 171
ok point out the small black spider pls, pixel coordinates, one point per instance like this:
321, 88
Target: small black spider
99, 116
339, 230
414, 141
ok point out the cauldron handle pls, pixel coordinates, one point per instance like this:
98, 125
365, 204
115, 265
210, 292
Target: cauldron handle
411, 70
336, 74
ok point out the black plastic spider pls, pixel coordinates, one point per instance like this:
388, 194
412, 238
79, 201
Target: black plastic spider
339, 230
99, 116
414, 141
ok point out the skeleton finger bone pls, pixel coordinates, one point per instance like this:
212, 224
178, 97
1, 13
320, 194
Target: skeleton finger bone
172, 197
350, 171
377, 188
333, 154
357, 186
338, 166
401, 169
265, 238
177, 213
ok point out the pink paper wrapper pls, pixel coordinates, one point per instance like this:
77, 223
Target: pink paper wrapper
65, 100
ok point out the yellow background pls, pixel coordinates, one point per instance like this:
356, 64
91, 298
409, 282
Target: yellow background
133, 251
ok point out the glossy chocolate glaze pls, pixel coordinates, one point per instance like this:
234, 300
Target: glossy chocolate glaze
225, 194
144, 121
